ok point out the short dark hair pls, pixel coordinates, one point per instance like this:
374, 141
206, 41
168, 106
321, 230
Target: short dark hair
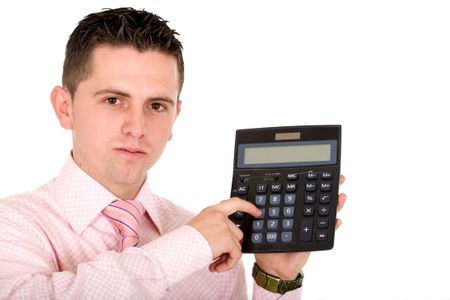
117, 27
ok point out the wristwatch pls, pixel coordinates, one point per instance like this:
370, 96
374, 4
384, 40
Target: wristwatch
273, 283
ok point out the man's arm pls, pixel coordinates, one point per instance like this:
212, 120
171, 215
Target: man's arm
29, 270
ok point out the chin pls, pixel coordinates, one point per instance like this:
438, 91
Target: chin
127, 176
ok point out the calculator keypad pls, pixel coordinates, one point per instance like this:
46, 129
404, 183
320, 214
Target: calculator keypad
291, 174
294, 210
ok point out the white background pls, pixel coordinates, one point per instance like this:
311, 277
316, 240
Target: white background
379, 68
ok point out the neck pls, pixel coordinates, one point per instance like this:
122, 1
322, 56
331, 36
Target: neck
125, 192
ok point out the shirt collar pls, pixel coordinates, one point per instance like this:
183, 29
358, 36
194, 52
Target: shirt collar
152, 206
82, 198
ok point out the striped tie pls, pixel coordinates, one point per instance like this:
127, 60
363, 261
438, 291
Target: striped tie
126, 216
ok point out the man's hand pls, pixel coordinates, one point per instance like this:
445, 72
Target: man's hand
223, 236
288, 265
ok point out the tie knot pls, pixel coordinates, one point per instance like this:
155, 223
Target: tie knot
126, 217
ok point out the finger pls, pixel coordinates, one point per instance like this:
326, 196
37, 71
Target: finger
227, 261
220, 260
235, 204
231, 259
236, 238
238, 234
338, 223
341, 201
341, 179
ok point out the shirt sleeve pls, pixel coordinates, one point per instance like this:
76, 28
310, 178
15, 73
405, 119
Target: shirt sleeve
28, 271
174, 264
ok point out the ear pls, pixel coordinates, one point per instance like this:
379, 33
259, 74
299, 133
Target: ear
178, 107
178, 112
62, 105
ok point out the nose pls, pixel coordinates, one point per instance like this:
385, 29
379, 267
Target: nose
134, 124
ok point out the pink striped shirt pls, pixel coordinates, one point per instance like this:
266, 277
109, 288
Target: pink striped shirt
56, 243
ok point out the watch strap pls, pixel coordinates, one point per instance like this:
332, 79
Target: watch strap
275, 284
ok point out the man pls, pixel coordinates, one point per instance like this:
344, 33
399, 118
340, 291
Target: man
122, 79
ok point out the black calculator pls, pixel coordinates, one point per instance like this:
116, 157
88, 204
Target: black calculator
292, 175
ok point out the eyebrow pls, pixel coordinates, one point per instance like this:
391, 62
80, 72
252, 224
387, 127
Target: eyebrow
126, 95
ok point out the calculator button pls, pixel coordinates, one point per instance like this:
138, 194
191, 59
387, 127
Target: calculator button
286, 236
308, 211
260, 200
311, 176
274, 212
242, 189
322, 236
258, 224
288, 223
291, 187
263, 213
289, 199
276, 187
261, 188
310, 198
292, 176
272, 224
324, 211
244, 178
325, 186
275, 199
324, 198
311, 187
306, 229
322, 223
257, 238
326, 175
288, 211
271, 237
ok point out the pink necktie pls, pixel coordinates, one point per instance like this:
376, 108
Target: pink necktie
126, 216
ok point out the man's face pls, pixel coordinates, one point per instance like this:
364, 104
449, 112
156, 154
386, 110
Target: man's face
122, 115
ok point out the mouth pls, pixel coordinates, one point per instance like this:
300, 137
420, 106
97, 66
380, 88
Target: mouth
131, 150
134, 153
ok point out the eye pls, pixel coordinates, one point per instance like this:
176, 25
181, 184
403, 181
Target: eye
157, 106
112, 101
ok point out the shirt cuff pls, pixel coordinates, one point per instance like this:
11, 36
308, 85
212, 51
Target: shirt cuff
180, 253
263, 294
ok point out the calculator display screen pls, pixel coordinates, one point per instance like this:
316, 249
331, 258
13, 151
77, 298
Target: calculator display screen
286, 154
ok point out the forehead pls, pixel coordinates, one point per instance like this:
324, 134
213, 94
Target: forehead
143, 70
